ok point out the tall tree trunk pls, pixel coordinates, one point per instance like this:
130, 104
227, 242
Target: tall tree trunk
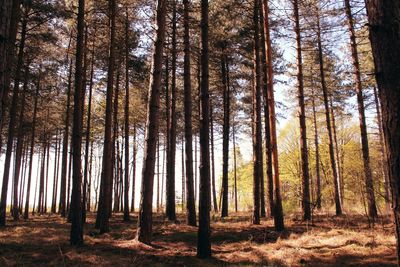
32, 146
214, 193
204, 231
369, 185
115, 154
126, 177
134, 167
384, 17
170, 180
144, 231
317, 156
306, 204
256, 119
63, 187
338, 204
19, 147
278, 211
234, 165
76, 236
225, 139
55, 174
383, 152
104, 210
187, 84
12, 122
267, 128
9, 19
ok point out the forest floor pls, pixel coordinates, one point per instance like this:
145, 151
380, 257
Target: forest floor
330, 241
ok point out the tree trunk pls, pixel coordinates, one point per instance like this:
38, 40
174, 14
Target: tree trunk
256, 119
63, 187
204, 231
267, 128
170, 180
32, 151
76, 236
126, 177
383, 152
338, 204
385, 39
214, 193
225, 139
104, 210
306, 204
278, 212
190, 201
19, 147
9, 19
12, 122
369, 185
134, 167
317, 156
144, 231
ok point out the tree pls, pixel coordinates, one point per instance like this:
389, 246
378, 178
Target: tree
76, 237
278, 212
204, 231
144, 230
104, 210
306, 203
383, 17
190, 202
369, 185
171, 149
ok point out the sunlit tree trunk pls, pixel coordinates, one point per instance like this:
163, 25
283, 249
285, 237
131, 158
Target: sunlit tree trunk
306, 204
369, 185
278, 211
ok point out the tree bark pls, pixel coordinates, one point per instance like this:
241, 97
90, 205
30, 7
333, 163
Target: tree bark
214, 193
190, 201
225, 139
317, 156
144, 231
104, 209
338, 204
170, 180
76, 236
306, 203
204, 231
369, 185
11, 126
384, 17
278, 211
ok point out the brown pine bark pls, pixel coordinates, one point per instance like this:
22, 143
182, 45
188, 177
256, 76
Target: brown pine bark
171, 153
19, 147
9, 19
384, 17
306, 203
383, 149
225, 134
134, 152
278, 211
190, 201
204, 231
76, 235
267, 128
234, 165
11, 125
369, 185
256, 118
126, 115
317, 156
32, 151
145, 221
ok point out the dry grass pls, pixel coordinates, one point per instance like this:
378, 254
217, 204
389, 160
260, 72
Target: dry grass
339, 241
